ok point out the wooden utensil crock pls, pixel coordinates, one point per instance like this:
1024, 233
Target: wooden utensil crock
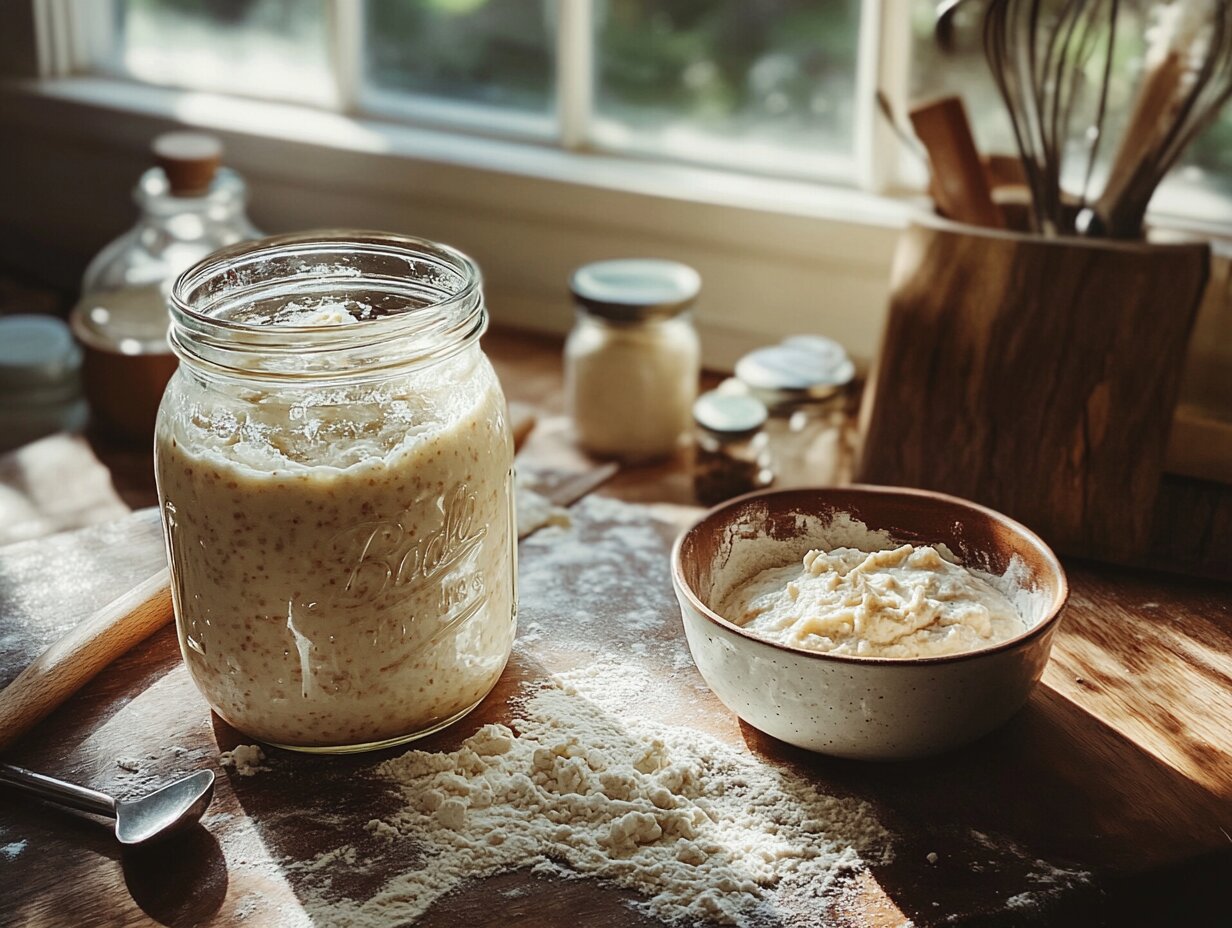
1037, 376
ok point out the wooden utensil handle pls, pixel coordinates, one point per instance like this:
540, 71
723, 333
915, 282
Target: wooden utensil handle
76, 658
960, 184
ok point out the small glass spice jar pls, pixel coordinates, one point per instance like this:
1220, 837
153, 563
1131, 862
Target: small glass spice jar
803, 381
731, 454
633, 359
334, 467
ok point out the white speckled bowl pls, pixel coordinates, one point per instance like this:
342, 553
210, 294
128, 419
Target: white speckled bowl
862, 707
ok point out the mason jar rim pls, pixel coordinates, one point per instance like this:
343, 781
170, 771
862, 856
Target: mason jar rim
433, 331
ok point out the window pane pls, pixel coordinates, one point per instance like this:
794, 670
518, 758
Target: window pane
1205, 169
260, 48
961, 71
1209, 161
772, 82
493, 52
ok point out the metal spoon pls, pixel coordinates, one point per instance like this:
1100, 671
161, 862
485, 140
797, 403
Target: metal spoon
150, 818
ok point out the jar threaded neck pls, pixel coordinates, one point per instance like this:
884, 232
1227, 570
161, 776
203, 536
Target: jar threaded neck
325, 305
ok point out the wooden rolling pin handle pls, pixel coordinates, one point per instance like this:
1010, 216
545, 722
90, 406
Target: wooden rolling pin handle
75, 659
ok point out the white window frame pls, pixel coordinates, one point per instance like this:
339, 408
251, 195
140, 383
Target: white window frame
72, 35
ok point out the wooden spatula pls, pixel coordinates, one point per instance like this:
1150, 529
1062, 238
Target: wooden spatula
960, 184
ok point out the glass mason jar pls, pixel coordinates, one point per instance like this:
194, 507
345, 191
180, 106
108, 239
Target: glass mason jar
731, 454
334, 467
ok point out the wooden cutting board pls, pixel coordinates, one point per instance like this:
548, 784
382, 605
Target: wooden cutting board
1108, 797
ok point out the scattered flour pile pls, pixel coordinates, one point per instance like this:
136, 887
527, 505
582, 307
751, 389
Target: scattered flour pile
245, 759
578, 787
536, 511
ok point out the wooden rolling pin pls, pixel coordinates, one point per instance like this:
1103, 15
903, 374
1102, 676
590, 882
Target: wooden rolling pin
75, 659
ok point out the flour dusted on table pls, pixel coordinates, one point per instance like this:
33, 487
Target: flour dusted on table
1045, 881
13, 849
576, 786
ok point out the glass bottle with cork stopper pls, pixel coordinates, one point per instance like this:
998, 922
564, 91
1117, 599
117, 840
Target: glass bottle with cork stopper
189, 207
633, 360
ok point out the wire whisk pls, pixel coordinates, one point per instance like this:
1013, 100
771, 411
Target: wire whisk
1040, 61
1187, 79
1053, 65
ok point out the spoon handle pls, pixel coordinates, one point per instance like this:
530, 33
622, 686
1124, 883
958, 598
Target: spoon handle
66, 794
72, 661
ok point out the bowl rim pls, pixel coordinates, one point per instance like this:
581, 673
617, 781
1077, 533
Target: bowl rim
1035, 631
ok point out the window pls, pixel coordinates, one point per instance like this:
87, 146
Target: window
264, 48
768, 87
768, 84
495, 53
775, 87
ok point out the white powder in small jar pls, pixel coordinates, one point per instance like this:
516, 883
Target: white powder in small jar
633, 359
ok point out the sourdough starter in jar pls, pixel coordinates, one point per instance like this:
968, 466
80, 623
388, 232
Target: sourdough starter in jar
341, 541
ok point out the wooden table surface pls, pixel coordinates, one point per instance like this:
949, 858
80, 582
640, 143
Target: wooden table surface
1108, 799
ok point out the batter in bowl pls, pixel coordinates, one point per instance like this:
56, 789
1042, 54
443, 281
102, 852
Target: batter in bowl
905, 602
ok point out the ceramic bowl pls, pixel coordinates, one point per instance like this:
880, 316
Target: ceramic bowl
846, 705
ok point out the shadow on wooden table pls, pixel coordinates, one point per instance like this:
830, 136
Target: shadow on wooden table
1048, 814
179, 883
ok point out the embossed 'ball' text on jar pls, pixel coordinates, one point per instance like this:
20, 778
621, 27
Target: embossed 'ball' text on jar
334, 466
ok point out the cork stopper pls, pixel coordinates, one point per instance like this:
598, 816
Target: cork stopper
189, 159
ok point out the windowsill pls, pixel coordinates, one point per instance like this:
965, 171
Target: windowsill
528, 151
524, 158
777, 256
